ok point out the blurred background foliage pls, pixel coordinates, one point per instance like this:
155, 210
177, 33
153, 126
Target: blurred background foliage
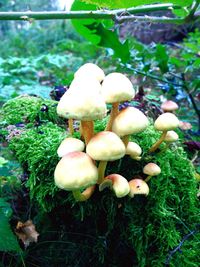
39, 55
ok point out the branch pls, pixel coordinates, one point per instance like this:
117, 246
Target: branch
117, 14
151, 19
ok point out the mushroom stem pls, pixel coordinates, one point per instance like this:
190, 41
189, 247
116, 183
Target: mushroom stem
87, 130
101, 171
157, 144
71, 126
81, 132
113, 114
148, 178
85, 195
125, 140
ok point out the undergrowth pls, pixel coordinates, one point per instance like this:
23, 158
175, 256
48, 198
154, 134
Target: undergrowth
106, 231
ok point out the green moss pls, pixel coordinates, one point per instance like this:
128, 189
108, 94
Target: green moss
36, 151
136, 232
27, 109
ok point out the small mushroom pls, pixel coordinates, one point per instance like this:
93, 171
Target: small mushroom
151, 169
138, 187
171, 136
74, 172
129, 121
134, 150
116, 88
169, 106
68, 145
183, 125
117, 183
105, 146
164, 123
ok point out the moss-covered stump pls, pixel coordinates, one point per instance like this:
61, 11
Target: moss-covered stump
159, 230
29, 109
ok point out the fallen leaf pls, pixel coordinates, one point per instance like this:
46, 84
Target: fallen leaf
26, 232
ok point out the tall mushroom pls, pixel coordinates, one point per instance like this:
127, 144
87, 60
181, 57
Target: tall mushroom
164, 123
105, 146
85, 105
76, 171
129, 121
90, 70
116, 88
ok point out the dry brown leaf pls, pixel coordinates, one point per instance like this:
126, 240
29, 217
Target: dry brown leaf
26, 232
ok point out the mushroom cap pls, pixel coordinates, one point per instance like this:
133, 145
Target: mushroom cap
105, 146
117, 183
85, 83
169, 106
70, 144
166, 122
183, 125
129, 121
171, 136
82, 105
90, 70
74, 171
151, 169
134, 150
116, 87
138, 187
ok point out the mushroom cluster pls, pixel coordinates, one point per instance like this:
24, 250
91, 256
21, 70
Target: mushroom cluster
83, 162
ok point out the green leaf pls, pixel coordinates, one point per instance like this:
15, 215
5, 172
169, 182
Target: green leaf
97, 32
8, 241
81, 25
177, 62
162, 58
181, 12
196, 63
132, 3
110, 39
2, 161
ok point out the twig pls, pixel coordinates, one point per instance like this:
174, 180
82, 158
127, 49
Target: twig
178, 248
152, 76
187, 89
193, 9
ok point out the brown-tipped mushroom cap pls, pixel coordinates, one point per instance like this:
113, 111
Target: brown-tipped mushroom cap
171, 136
106, 146
118, 184
166, 122
74, 171
134, 150
90, 70
138, 187
183, 125
70, 144
129, 121
151, 169
82, 105
168, 106
116, 87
